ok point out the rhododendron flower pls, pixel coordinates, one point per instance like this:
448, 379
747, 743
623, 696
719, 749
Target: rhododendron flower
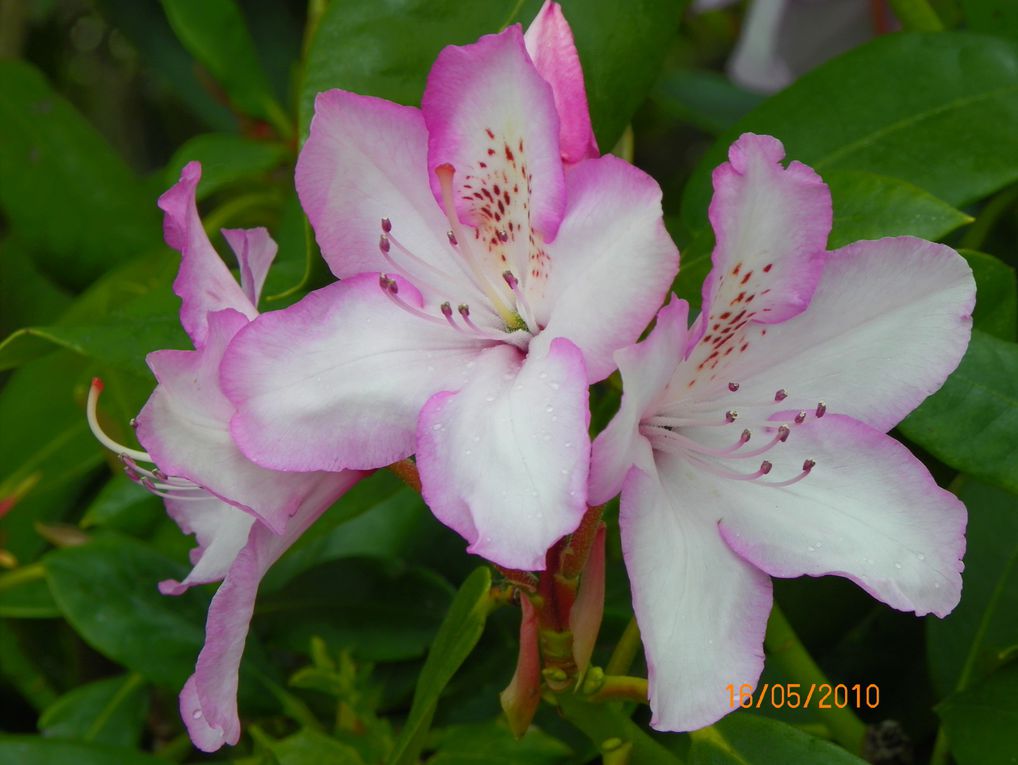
243, 516
490, 267
752, 445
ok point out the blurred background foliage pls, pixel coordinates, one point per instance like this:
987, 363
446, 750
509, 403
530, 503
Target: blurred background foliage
101, 104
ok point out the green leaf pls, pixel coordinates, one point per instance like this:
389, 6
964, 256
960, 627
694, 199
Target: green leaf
107, 591
122, 505
388, 50
870, 206
942, 121
970, 643
110, 711
459, 633
388, 614
62, 188
745, 739
996, 310
703, 98
981, 722
24, 594
35, 750
46, 449
125, 315
225, 158
972, 422
494, 744
994, 17
215, 33
311, 747
32, 298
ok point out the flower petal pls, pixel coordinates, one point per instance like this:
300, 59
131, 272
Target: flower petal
204, 283
646, 369
889, 322
611, 264
221, 531
771, 224
869, 510
366, 159
338, 379
702, 610
504, 461
185, 427
492, 117
208, 703
255, 251
550, 44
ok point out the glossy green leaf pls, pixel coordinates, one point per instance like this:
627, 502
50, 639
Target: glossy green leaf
704, 98
215, 33
46, 450
869, 206
24, 594
35, 750
388, 50
122, 505
110, 711
971, 642
225, 158
494, 744
981, 722
459, 633
379, 612
996, 310
745, 739
310, 747
107, 591
31, 298
610, 724
935, 110
63, 190
971, 423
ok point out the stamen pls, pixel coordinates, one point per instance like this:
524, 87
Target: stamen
821, 409
780, 395
391, 290
383, 244
731, 415
733, 386
657, 432
764, 469
800, 418
445, 176
487, 334
93, 424
779, 438
419, 271
452, 238
386, 225
807, 466
521, 301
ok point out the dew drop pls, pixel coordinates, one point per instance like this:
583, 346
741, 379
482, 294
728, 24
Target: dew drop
467, 452
196, 714
554, 385
921, 556
437, 426
543, 375
936, 585
569, 444
549, 409
897, 565
489, 399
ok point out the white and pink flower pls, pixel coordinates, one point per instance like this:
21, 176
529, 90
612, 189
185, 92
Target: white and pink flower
490, 265
753, 444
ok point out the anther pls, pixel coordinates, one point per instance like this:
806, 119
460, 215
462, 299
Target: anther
133, 422
386, 225
731, 415
733, 386
800, 418
383, 244
452, 238
464, 310
808, 465
821, 409
502, 236
765, 467
511, 280
783, 432
746, 435
781, 395
447, 310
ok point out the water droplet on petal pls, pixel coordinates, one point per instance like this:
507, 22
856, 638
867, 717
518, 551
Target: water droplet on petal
543, 375
921, 556
489, 399
549, 409
897, 565
196, 714
554, 385
437, 426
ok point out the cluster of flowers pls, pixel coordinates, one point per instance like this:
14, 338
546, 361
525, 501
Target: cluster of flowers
491, 267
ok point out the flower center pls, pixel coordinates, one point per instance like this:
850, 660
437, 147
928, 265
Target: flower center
501, 308
690, 429
152, 479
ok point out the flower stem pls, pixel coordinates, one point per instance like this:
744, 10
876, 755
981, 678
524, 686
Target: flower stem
625, 650
917, 15
784, 647
621, 687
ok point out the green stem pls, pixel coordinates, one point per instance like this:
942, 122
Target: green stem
784, 647
917, 15
621, 688
625, 650
608, 724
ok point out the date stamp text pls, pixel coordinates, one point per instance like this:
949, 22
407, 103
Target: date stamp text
804, 696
